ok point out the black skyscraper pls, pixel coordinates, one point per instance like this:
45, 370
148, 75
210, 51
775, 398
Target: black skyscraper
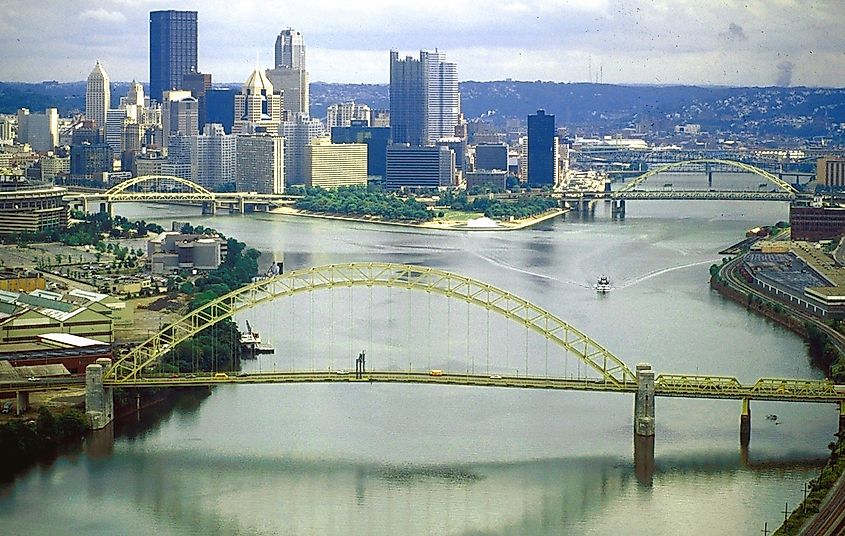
408, 95
173, 49
541, 149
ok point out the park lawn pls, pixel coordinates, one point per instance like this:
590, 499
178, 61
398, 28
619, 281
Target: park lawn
457, 215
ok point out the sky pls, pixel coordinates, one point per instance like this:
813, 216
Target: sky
701, 42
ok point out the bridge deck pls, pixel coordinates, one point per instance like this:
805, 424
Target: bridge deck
665, 385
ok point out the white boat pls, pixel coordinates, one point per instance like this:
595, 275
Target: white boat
603, 285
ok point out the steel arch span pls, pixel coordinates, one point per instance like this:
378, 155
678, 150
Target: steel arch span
614, 372
772, 178
119, 191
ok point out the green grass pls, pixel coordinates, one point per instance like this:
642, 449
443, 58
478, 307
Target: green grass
457, 215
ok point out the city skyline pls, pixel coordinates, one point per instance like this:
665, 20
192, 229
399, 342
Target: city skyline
626, 42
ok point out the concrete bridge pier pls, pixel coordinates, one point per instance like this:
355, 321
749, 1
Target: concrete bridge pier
644, 401
21, 402
107, 207
209, 208
745, 423
644, 425
618, 209
99, 400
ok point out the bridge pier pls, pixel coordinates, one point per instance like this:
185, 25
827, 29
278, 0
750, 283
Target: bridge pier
618, 209
108, 208
745, 423
209, 208
99, 400
644, 401
242, 205
21, 402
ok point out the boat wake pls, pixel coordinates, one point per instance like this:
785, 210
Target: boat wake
662, 271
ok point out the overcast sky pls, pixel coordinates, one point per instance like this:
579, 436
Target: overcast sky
725, 42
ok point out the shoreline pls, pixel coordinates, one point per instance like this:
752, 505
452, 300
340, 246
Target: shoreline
458, 226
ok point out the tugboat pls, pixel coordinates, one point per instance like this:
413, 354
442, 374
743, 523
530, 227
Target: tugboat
603, 285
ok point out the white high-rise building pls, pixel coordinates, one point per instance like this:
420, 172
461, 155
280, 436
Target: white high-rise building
40, 131
290, 76
298, 134
97, 95
213, 157
258, 106
260, 164
341, 115
443, 105
179, 115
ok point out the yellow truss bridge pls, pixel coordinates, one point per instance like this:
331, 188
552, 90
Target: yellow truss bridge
612, 373
783, 190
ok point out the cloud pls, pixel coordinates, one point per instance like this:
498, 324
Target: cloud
785, 73
101, 15
734, 33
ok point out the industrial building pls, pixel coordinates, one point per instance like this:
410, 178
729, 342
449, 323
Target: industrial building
173, 251
24, 317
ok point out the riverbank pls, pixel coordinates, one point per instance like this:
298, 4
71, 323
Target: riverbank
444, 225
830, 479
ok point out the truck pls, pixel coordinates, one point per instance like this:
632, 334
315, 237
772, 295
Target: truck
435, 372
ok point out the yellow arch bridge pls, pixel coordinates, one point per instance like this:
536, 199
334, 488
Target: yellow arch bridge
610, 373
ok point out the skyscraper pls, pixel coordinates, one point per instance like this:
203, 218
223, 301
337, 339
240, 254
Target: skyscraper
408, 100
290, 50
542, 149
257, 106
289, 76
443, 100
298, 134
173, 49
424, 99
179, 115
97, 95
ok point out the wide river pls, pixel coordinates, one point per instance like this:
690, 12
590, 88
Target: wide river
417, 459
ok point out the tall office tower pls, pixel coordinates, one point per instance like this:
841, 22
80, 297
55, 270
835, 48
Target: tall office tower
298, 134
213, 157
408, 100
198, 84
290, 50
179, 115
220, 107
114, 128
97, 95
342, 115
260, 164
542, 150
258, 108
40, 131
289, 76
443, 99
173, 50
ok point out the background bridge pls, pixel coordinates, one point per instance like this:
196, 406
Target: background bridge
168, 188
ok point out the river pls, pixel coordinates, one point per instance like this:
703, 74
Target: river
397, 459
